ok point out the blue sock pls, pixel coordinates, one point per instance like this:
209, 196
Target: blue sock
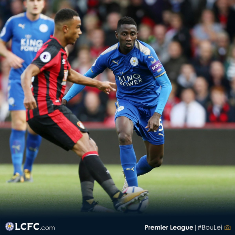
17, 144
128, 161
32, 145
142, 167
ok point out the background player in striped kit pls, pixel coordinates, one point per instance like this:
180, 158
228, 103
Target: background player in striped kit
28, 32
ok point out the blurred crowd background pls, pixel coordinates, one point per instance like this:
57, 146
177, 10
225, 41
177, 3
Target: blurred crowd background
194, 39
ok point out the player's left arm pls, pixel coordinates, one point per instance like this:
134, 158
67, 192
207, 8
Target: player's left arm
98, 67
160, 75
77, 88
26, 78
78, 78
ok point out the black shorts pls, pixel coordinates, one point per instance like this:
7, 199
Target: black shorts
60, 127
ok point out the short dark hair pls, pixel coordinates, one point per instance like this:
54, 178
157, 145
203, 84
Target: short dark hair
125, 20
64, 15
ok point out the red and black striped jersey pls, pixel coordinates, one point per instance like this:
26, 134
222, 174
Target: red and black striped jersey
49, 85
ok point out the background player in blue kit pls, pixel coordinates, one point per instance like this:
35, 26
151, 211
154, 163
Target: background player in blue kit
142, 92
28, 32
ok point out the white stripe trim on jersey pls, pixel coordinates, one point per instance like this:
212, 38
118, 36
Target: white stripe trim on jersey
44, 17
16, 16
142, 48
115, 46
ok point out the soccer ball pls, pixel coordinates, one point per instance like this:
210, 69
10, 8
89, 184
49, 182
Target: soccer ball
138, 206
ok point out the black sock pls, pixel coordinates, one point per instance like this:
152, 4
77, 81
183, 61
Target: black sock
87, 183
100, 173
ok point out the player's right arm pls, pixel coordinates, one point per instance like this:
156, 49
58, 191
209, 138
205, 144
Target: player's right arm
26, 78
6, 34
13, 60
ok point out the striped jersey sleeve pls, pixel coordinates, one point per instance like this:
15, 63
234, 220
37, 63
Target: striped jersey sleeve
46, 57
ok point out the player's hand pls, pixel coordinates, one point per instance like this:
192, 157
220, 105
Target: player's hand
154, 122
30, 102
14, 61
106, 87
64, 102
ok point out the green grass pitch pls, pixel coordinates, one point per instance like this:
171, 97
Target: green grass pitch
56, 188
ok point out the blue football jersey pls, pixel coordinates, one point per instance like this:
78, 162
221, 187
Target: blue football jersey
27, 38
135, 73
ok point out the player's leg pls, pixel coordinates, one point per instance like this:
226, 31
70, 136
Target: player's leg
33, 142
87, 186
124, 127
17, 143
18, 125
154, 144
153, 158
86, 148
64, 129
53, 131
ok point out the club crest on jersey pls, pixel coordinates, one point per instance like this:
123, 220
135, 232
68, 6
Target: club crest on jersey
45, 57
134, 61
43, 28
11, 101
80, 125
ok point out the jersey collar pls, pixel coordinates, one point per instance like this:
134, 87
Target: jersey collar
25, 15
129, 53
58, 42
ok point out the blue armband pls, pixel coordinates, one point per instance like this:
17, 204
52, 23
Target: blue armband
166, 87
77, 88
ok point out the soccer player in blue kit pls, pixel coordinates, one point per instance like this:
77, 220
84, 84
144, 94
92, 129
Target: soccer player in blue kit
143, 88
28, 31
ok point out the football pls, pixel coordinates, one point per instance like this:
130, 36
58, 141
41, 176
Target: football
138, 206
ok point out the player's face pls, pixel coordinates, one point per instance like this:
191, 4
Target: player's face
34, 7
127, 35
74, 30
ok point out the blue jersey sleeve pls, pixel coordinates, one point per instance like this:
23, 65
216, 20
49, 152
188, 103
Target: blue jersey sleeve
154, 64
100, 64
77, 88
166, 87
158, 71
7, 32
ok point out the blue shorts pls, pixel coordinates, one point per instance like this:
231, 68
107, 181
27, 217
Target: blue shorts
140, 117
15, 96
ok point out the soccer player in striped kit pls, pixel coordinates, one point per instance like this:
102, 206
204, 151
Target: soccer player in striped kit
48, 117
